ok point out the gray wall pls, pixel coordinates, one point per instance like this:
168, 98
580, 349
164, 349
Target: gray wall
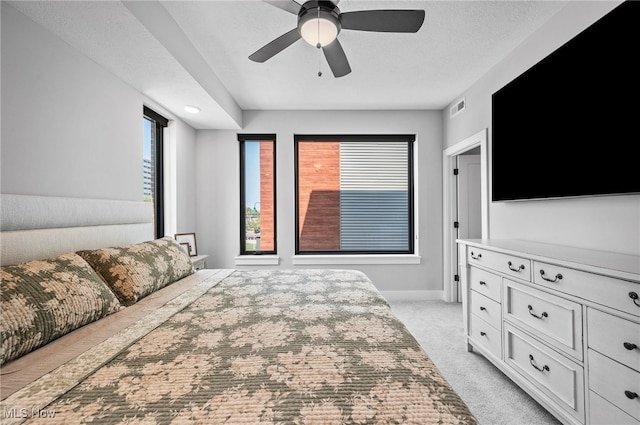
71, 128
217, 167
609, 223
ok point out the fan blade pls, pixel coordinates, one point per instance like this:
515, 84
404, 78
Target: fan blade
287, 5
276, 46
383, 20
337, 59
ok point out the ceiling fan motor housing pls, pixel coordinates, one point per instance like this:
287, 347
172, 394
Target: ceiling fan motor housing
319, 10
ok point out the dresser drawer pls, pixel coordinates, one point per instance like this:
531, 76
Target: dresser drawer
485, 335
486, 283
604, 290
486, 308
558, 377
601, 412
614, 337
616, 383
553, 319
504, 263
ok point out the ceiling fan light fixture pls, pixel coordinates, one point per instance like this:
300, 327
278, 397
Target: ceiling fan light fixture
319, 31
319, 23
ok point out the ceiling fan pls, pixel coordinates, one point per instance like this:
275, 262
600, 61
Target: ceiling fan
320, 22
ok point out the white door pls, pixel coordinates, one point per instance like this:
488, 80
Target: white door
469, 214
469, 205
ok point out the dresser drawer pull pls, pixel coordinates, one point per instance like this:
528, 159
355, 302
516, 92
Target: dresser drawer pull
555, 279
629, 346
482, 282
482, 308
483, 333
543, 315
541, 369
476, 257
519, 269
631, 395
634, 297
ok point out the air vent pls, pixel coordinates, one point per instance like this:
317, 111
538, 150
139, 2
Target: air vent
458, 107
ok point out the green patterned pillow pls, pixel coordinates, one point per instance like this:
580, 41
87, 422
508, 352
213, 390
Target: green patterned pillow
135, 271
45, 299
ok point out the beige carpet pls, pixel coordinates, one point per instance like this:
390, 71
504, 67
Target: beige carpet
492, 397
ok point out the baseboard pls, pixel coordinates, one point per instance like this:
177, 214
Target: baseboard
413, 295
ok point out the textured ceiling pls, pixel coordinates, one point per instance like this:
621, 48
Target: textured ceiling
196, 52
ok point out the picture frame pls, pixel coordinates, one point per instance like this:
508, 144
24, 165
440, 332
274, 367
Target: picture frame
190, 240
186, 246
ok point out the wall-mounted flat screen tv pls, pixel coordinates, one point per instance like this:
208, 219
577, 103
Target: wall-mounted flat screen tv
570, 125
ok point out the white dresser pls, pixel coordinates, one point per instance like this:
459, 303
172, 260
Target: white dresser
561, 322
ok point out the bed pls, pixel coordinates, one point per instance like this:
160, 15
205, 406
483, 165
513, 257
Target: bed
266, 346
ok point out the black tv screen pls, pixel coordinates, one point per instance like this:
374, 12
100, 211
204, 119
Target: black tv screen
570, 125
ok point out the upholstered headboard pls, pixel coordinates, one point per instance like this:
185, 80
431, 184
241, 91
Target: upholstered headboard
36, 227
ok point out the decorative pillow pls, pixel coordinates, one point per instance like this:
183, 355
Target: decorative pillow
135, 271
45, 299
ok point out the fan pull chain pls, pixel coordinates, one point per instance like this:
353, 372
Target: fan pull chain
319, 46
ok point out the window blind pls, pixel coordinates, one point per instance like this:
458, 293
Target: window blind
374, 196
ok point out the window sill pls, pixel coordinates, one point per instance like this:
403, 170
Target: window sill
301, 260
257, 260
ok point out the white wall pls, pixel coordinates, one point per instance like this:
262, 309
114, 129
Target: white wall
217, 177
71, 128
609, 223
185, 141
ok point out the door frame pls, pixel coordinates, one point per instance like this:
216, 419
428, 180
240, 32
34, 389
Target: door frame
449, 204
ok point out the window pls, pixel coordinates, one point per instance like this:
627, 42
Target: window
152, 159
257, 194
354, 194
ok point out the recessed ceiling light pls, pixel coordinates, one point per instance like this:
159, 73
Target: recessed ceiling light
192, 109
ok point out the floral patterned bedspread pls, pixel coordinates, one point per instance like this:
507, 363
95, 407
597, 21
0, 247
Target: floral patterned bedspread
260, 347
